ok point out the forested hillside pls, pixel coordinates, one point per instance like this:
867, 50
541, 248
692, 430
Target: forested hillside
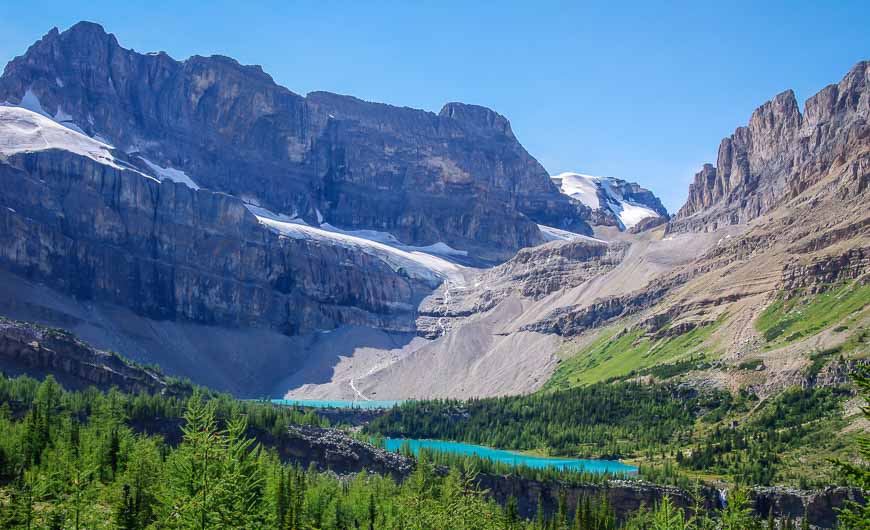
675, 432
80, 460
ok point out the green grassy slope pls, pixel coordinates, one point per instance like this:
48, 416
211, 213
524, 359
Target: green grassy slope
615, 355
788, 320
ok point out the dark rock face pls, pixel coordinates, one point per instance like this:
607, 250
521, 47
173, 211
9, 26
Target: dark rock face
637, 193
820, 507
36, 349
648, 224
169, 252
459, 176
781, 153
334, 450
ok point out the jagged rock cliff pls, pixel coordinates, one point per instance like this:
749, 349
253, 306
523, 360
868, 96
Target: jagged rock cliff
782, 153
460, 176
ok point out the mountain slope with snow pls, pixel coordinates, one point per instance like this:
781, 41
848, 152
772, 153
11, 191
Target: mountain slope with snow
624, 203
428, 264
25, 131
29, 130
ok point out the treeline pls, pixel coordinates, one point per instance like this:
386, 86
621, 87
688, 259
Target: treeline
72, 460
676, 431
598, 421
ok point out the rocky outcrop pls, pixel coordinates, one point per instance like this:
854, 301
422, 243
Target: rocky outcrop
532, 274
819, 507
781, 153
574, 320
648, 224
459, 176
336, 451
820, 272
38, 350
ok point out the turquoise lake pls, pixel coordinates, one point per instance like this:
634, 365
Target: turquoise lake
498, 455
510, 457
336, 404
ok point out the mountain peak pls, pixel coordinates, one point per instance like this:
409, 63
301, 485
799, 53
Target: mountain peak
86, 27
480, 117
87, 33
760, 165
613, 201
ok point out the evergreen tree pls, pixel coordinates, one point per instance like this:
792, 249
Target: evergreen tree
512, 512
125, 512
853, 515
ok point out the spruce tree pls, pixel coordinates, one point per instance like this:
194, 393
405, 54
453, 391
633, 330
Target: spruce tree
125, 511
854, 515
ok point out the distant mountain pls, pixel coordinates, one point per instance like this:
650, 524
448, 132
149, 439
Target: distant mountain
195, 214
767, 265
613, 201
155, 195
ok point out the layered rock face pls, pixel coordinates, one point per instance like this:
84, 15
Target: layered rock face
170, 252
781, 153
459, 176
533, 273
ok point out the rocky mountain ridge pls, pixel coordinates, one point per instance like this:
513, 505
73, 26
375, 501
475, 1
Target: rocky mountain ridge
459, 177
36, 350
781, 153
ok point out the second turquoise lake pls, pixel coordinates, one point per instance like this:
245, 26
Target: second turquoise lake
512, 458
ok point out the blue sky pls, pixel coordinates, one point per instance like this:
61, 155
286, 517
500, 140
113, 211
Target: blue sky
644, 92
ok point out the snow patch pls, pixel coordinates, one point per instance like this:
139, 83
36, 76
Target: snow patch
30, 101
557, 234
168, 173
66, 120
584, 188
26, 131
417, 262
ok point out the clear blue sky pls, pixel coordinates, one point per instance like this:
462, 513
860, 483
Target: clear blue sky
645, 92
